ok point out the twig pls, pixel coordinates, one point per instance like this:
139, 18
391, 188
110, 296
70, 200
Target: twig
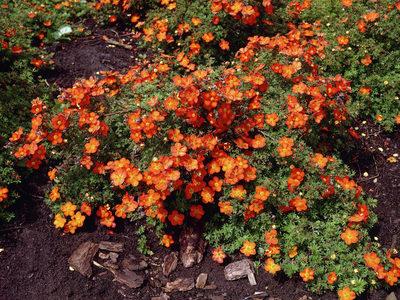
116, 43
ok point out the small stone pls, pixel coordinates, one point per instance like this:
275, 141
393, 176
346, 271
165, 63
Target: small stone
201, 281
180, 285
365, 174
170, 263
81, 259
103, 255
110, 265
161, 297
238, 269
216, 297
111, 246
211, 286
252, 278
375, 180
133, 264
192, 247
380, 149
128, 278
391, 296
113, 257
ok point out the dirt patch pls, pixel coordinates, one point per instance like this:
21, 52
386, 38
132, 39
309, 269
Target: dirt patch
376, 161
85, 56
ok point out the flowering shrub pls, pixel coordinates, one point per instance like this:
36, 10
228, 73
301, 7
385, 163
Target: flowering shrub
363, 39
225, 146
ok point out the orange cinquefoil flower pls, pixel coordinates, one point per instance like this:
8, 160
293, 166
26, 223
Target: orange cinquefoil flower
68, 209
59, 221
52, 174
332, 278
261, 193
167, 240
307, 274
3, 193
224, 44
285, 147
92, 146
299, 204
176, 218
238, 192
372, 260
350, 236
196, 211
208, 37
54, 194
248, 248
225, 207
271, 119
86, 209
343, 40
271, 267
346, 294
319, 160
218, 255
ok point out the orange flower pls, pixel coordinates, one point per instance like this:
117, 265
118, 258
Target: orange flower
261, 193
92, 146
367, 60
365, 90
307, 274
207, 195
248, 248
319, 160
224, 44
343, 40
196, 21
271, 267
208, 37
16, 136
59, 221
196, 211
3, 193
52, 174
167, 240
293, 252
86, 209
332, 277
225, 207
372, 260
270, 237
285, 147
218, 255
350, 236
271, 119
68, 209
176, 218
371, 16
54, 194
347, 3
238, 192
346, 294
300, 204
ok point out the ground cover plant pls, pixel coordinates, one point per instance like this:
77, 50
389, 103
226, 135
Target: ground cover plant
231, 143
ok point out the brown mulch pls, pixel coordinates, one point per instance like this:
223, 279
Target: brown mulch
34, 263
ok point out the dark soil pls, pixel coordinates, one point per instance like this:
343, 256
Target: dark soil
34, 262
87, 55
